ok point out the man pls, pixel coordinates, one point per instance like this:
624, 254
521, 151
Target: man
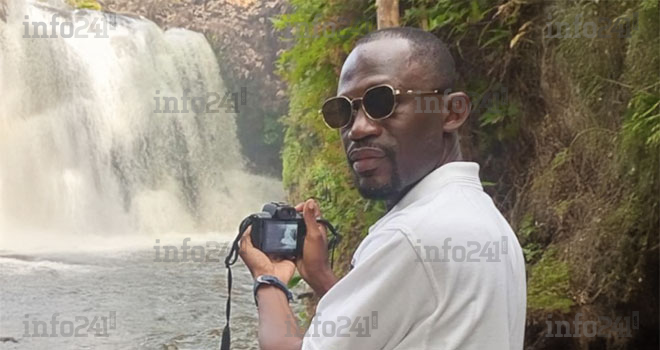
442, 269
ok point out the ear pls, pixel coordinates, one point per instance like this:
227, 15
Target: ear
458, 108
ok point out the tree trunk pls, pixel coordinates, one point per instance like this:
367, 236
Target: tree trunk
388, 13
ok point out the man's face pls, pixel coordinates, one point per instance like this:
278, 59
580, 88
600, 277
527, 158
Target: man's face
389, 156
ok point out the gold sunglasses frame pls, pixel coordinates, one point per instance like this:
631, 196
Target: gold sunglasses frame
395, 92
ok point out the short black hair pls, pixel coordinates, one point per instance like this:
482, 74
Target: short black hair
428, 50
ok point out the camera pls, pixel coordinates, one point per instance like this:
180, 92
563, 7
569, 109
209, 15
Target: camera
278, 230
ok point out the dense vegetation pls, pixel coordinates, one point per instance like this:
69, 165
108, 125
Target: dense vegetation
566, 128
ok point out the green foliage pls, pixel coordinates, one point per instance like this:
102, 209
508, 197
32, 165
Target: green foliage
482, 30
640, 133
295, 280
643, 120
548, 284
526, 228
594, 185
640, 138
318, 40
272, 130
458, 16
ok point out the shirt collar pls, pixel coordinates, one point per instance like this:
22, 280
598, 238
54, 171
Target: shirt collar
466, 173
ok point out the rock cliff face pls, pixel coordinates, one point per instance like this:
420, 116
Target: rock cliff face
246, 45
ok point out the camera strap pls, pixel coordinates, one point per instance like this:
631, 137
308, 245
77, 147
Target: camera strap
232, 256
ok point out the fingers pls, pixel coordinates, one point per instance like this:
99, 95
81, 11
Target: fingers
309, 215
300, 207
315, 231
246, 241
315, 207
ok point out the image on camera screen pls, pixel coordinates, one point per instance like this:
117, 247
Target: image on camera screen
280, 236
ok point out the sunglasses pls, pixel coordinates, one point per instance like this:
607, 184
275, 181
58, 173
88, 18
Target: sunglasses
378, 103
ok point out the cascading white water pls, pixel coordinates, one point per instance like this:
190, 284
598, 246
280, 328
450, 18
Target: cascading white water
83, 146
94, 173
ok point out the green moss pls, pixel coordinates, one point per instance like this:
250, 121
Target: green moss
562, 207
548, 284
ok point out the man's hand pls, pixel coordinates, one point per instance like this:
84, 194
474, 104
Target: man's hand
314, 267
277, 324
260, 264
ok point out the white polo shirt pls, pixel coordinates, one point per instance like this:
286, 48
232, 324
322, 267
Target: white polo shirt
441, 270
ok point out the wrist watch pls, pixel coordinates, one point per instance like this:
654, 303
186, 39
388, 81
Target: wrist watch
272, 281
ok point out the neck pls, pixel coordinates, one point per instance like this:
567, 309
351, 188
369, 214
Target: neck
390, 203
451, 153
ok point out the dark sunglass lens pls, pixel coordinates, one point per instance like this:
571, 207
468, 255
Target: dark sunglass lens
379, 102
337, 112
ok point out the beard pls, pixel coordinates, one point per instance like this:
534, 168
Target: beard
384, 190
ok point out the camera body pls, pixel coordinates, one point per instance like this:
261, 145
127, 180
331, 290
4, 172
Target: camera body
279, 230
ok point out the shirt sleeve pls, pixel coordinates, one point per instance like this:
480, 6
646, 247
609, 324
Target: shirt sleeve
378, 302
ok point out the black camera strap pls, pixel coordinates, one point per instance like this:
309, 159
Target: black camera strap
232, 256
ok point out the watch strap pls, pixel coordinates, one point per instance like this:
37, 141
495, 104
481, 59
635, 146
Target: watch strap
272, 281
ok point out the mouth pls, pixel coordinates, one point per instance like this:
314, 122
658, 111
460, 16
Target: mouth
365, 160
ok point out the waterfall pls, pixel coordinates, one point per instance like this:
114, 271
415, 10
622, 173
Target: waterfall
91, 141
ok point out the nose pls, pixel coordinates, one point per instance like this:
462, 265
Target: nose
363, 127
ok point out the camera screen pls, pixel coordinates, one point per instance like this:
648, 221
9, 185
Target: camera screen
280, 236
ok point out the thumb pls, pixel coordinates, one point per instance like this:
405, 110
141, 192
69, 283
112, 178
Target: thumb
310, 211
246, 240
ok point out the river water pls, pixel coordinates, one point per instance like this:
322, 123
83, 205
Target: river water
147, 304
97, 169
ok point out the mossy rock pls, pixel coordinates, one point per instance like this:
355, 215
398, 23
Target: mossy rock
548, 284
